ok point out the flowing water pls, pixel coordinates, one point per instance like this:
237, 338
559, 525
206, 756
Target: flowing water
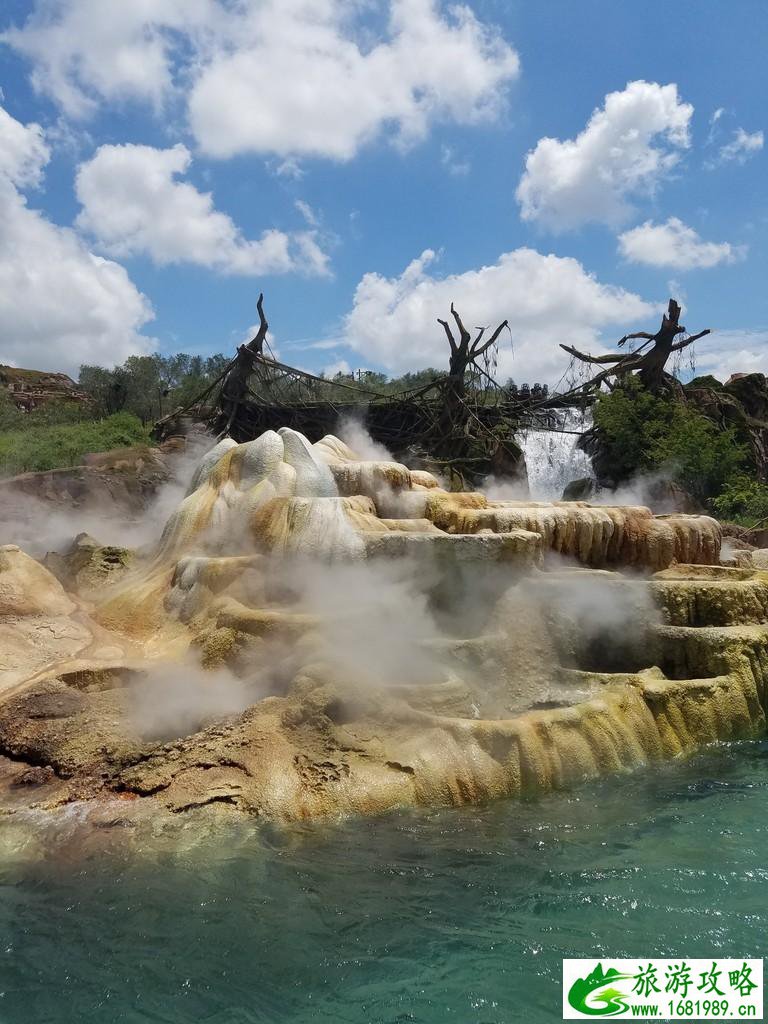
552, 457
439, 916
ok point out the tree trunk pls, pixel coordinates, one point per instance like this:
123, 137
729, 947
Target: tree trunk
652, 367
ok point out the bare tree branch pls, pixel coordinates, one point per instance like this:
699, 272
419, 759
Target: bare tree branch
637, 334
448, 333
256, 344
465, 335
479, 351
690, 341
585, 358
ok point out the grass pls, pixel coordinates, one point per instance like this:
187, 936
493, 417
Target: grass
57, 446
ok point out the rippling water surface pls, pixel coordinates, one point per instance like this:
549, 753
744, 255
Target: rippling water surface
451, 915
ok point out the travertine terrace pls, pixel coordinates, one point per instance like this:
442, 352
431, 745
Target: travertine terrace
252, 659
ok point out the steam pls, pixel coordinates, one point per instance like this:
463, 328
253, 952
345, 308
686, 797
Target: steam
498, 488
375, 623
728, 550
601, 621
656, 491
176, 699
371, 623
353, 433
39, 525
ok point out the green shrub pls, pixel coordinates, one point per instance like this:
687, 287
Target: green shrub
40, 447
641, 433
705, 381
743, 500
11, 417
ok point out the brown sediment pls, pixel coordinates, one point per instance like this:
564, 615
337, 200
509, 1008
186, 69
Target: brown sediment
522, 701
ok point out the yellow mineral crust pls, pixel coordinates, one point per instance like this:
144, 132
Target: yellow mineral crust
42, 627
26, 588
290, 765
713, 602
594, 535
542, 678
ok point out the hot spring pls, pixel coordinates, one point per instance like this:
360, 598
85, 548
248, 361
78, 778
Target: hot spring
452, 914
390, 751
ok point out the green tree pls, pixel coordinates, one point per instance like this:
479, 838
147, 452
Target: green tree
743, 500
150, 386
641, 433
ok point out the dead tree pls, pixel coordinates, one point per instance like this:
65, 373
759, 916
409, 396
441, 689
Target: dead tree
649, 365
236, 384
464, 355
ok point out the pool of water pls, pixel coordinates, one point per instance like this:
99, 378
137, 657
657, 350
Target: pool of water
440, 916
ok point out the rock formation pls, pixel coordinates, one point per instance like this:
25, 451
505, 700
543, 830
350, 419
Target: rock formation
317, 634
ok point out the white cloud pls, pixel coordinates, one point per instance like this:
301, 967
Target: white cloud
732, 351
339, 366
83, 51
742, 146
713, 125
133, 203
626, 149
290, 168
298, 82
307, 212
547, 300
23, 152
674, 244
289, 77
60, 305
453, 163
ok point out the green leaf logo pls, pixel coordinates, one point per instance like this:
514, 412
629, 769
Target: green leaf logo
613, 1000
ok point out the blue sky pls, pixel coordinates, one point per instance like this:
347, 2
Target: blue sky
566, 165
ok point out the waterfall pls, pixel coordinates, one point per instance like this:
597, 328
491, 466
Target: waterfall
552, 457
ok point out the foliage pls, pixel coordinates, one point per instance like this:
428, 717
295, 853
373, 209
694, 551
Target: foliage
150, 386
642, 433
46, 414
39, 446
743, 500
11, 417
705, 381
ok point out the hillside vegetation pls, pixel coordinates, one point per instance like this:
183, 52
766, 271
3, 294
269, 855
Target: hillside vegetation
38, 442
641, 433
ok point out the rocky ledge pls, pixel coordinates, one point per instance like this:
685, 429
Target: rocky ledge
319, 635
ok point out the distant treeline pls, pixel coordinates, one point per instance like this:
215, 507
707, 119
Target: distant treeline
151, 386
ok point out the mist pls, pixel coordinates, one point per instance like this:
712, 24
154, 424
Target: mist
176, 699
354, 434
39, 525
498, 488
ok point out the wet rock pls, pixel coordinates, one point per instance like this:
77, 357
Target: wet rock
35, 776
86, 564
544, 678
580, 490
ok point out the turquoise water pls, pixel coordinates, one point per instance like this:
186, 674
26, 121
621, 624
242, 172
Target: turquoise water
451, 915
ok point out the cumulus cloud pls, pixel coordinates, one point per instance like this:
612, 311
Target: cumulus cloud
287, 77
628, 146
299, 83
741, 147
733, 351
60, 305
674, 244
133, 203
547, 299
23, 151
84, 51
